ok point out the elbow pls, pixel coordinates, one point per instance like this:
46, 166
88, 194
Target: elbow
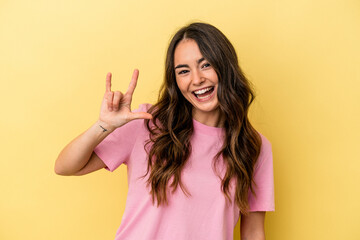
61, 173
59, 170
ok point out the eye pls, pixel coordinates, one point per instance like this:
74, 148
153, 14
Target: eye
206, 65
183, 72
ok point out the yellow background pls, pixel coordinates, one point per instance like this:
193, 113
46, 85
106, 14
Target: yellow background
302, 56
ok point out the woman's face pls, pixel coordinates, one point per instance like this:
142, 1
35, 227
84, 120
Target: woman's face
197, 81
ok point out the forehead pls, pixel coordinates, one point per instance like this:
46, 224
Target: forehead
187, 51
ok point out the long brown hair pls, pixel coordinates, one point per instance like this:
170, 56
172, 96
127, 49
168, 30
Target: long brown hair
171, 127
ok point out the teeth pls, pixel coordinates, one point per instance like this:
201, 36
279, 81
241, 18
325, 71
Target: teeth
202, 91
199, 97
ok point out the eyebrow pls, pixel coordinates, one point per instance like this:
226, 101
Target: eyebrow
185, 65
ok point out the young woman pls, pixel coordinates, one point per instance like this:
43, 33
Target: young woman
195, 163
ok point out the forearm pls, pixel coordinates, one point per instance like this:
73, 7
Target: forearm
253, 237
78, 152
252, 226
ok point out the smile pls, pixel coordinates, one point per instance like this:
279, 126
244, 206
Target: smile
204, 93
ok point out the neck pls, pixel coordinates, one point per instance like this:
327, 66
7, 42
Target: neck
212, 119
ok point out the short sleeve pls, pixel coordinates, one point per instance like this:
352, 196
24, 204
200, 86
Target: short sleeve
264, 179
116, 148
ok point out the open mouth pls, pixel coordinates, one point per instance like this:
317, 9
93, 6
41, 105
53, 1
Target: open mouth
203, 93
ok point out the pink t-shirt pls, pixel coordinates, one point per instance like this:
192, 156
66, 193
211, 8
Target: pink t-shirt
206, 213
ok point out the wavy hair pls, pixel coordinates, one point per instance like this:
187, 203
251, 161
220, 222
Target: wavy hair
171, 127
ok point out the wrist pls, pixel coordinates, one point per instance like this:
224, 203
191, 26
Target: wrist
105, 127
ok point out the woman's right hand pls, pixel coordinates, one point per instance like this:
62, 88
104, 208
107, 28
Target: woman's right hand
116, 107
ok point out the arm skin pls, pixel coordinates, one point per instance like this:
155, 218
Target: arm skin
78, 158
252, 226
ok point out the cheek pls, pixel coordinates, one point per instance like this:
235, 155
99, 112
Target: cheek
178, 84
215, 77
181, 85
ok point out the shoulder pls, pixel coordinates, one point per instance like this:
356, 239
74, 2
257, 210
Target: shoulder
265, 143
265, 151
143, 107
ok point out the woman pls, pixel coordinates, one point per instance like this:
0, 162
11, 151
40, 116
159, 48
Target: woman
195, 163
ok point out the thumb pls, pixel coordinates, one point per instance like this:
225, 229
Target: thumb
141, 115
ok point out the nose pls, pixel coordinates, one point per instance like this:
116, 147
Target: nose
197, 78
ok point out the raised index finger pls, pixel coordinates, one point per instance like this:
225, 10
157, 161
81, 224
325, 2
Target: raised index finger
108, 82
133, 82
